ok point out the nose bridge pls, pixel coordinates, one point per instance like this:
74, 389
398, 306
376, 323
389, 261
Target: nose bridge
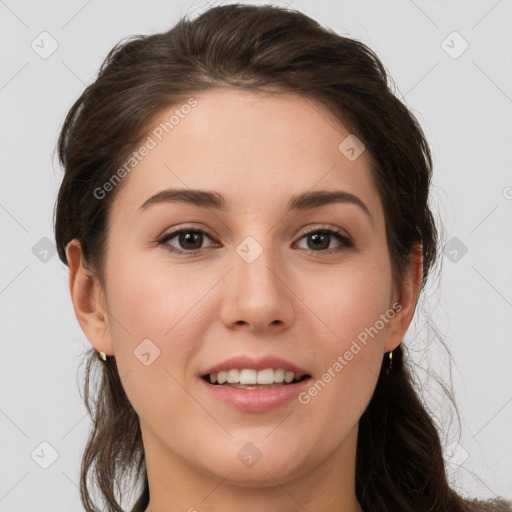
255, 265
255, 251
257, 294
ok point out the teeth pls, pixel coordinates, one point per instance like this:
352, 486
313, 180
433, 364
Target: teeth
263, 376
232, 376
279, 375
288, 376
250, 376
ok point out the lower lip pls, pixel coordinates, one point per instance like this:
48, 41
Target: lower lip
256, 400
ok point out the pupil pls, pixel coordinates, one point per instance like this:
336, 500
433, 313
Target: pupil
187, 238
316, 237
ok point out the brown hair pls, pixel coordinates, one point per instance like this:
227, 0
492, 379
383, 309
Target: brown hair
399, 462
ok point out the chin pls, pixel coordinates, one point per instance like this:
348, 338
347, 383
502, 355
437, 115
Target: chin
264, 475
244, 464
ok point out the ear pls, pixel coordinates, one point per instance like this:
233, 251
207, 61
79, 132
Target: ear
406, 296
88, 300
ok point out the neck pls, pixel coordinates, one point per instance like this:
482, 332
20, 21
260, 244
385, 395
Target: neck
176, 485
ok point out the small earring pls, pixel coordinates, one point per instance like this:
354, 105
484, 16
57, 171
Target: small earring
390, 357
103, 356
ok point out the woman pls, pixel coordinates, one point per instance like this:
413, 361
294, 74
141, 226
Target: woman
261, 366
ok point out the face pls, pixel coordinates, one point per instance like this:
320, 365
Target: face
293, 285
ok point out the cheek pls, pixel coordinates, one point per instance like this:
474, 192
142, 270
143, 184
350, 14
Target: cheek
154, 348
350, 300
152, 302
354, 312
153, 326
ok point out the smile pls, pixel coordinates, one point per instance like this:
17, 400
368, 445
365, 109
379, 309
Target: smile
254, 379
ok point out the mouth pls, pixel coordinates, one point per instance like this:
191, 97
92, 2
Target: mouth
254, 384
248, 378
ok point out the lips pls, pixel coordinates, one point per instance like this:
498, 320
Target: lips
289, 380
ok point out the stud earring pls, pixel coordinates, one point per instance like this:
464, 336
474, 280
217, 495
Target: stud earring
102, 355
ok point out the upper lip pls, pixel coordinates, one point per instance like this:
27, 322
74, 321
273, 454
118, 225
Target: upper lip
260, 363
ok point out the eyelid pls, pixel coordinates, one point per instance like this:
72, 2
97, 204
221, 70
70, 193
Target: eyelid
334, 229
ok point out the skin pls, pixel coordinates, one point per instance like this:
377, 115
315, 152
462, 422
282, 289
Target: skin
306, 306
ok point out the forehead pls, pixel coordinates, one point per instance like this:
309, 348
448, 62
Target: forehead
254, 148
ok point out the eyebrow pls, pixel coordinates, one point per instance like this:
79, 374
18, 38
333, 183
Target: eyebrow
304, 201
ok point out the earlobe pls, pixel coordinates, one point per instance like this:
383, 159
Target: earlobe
88, 300
407, 298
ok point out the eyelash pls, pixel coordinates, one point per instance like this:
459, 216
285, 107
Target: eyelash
345, 241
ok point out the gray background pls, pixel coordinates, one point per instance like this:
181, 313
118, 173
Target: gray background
463, 101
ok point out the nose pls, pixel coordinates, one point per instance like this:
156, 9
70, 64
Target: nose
257, 294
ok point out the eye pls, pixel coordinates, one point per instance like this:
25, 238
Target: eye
189, 239
321, 238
